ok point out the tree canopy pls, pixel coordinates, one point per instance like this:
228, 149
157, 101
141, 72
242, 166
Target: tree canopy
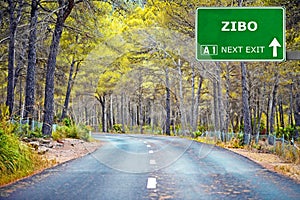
133, 63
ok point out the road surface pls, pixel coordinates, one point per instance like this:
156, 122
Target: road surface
155, 167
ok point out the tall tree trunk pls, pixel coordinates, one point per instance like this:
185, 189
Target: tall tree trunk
122, 112
260, 109
220, 98
69, 88
20, 98
181, 103
281, 117
1, 16
86, 116
245, 100
20, 64
197, 103
131, 115
140, 104
291, 121
226, 125
297, 108
141, 115
249, 101
13, 22
215, 99
30, 77
102, 101
152, 115
268, 116
111, 118
193, 101
65, 8
273, 105
168, 106
255, 111
277, 117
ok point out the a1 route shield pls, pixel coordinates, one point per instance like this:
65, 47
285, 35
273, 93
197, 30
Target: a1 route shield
240, 34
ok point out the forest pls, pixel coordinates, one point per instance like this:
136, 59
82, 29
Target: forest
130, 66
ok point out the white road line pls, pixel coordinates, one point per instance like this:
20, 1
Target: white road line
152, 162
148, 145
145, 142
151, 151
151, 184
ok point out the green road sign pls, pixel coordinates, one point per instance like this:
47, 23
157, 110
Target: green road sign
240, 34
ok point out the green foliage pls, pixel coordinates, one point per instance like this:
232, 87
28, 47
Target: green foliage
197, 133
16, 158
237, 141
117, 128
13, 154
5, 124
67, 122
60, 132
288, 132
57, 135
24, 130
200, 131
74, 131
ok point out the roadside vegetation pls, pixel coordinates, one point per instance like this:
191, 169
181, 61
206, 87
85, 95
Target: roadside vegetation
68, 129
287, 149
281, 156
16, 158
19, 158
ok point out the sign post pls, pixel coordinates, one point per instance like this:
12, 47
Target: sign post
240, 34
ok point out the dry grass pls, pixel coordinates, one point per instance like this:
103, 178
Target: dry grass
282, 159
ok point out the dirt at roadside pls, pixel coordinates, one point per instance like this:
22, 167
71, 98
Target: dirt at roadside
70, 149
272, 162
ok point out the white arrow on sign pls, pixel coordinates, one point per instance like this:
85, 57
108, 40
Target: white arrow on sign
274, 44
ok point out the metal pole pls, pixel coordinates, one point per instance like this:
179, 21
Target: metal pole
293, 55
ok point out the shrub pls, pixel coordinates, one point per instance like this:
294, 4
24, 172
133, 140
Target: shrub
202, 129
287, 152
67, 122
37, 132
117, 128
74, 131
84, 132
197, 134
63, 131
56, 135
236, 141
288, 132
17, 160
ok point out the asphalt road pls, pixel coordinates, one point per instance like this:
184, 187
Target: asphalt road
155, 167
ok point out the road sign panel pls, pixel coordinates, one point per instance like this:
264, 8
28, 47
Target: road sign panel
240, 34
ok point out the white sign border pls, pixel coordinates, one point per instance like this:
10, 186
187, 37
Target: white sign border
242, 60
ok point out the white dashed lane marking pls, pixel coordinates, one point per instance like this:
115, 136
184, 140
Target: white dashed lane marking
152, 162
151, 184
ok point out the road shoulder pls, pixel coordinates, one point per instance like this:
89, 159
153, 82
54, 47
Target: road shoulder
271, 162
